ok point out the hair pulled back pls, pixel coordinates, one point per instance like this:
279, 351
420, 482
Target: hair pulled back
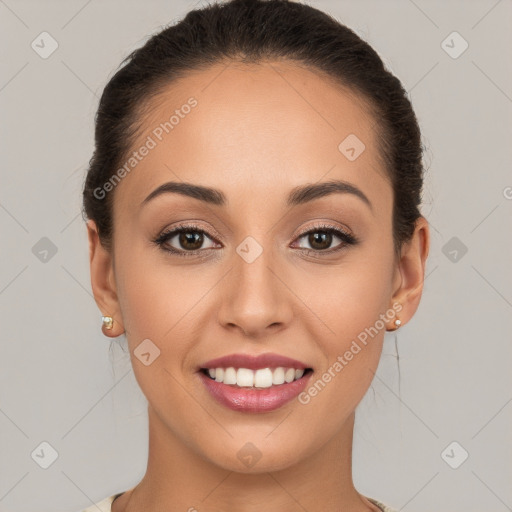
253, 31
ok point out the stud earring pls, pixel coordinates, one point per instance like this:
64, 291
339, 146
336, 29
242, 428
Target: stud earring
108, 322
397, 323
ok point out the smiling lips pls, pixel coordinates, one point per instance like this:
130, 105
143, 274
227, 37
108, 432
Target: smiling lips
254, 383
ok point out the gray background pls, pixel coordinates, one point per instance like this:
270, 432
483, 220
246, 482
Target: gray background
63, 382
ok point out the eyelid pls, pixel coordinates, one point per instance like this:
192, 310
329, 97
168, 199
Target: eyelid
191, 224
172, 231
323, 225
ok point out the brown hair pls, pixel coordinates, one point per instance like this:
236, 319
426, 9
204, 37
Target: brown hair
253, 31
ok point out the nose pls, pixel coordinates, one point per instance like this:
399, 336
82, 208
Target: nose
254, 297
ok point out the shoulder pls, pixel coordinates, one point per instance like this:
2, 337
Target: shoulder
104, 505
383, 507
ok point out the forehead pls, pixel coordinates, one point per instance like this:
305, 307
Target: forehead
270, 126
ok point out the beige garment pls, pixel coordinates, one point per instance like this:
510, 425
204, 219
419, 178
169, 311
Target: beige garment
106, 504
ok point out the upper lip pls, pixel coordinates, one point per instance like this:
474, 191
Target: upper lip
254, 362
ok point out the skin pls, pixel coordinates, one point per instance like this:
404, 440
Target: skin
257, 132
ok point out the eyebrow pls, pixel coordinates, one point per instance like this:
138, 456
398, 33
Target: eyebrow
298, 195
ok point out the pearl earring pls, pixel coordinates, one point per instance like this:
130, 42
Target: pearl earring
108, 322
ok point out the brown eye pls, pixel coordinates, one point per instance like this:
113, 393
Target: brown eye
190, 240
321, 237
184, 241
320, 240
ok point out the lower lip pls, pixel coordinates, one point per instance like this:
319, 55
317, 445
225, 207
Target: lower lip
254, 399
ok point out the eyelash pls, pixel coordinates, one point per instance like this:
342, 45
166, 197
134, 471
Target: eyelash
347, 239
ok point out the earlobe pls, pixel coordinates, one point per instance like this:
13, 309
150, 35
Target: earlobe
103, 283
412, 271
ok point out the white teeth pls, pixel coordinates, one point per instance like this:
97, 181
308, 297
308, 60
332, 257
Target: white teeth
262, 378
229, 376
278, 376
244, 377
289, 375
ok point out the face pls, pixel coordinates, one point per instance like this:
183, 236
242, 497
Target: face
260, 267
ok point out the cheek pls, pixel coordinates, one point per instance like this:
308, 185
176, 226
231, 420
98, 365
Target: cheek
349, 298
163, 303
349, 330
154, 306
152, 294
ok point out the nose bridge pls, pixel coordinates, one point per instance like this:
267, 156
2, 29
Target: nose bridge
255, 298
252, 263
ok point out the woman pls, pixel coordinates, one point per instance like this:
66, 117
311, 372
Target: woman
254, 230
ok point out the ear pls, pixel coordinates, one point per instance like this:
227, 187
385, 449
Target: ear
410, 273
103, 282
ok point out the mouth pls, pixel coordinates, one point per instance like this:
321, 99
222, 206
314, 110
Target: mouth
262, 378
254, 390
